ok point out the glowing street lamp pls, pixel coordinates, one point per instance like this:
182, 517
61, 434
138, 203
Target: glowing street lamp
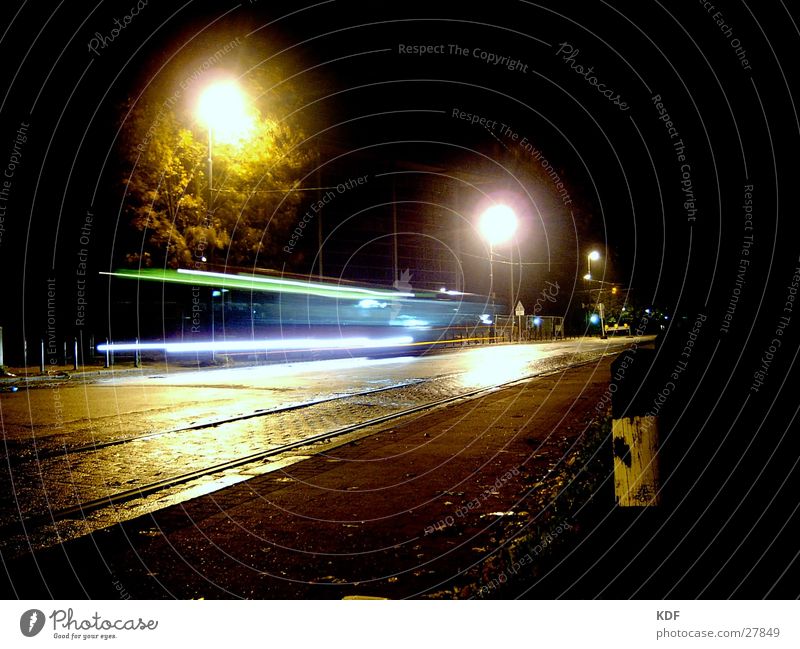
592, 256
223, 110
498, 224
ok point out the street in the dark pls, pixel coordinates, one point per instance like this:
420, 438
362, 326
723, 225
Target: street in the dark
150, 429
408, 300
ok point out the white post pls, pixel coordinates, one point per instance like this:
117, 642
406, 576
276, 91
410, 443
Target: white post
601, 309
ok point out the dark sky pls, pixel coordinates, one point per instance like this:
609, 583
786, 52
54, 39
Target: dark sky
562, 88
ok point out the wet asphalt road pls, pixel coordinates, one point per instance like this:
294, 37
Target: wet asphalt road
42, 425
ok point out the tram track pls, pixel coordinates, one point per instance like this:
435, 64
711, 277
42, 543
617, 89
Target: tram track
141, 492
74, 491
265, 412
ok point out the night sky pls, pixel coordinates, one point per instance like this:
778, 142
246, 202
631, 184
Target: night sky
671, 127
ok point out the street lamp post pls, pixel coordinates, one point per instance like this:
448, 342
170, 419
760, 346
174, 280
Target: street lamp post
594, 255
223, 110
498, 224
491, 269
601, 308
214, 293
511, 308
209, 210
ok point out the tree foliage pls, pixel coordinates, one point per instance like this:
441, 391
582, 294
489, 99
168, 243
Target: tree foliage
252, 204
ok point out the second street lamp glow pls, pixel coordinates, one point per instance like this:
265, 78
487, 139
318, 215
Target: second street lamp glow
498, 223
592, 256
223, 110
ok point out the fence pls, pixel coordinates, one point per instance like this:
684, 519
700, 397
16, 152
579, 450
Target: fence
529, 328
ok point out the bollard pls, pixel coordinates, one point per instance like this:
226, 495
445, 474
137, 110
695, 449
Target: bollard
108, 356
637, 479
137, 361
75, 354
41, 361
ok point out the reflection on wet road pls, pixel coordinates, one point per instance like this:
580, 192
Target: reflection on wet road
74, 442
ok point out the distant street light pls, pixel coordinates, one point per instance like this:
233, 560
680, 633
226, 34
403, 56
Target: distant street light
498, 224
592, 256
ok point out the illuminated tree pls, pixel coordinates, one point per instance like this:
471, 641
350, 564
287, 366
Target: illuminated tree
251, 205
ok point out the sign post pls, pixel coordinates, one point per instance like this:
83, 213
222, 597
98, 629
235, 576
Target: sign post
602, 310
519, 312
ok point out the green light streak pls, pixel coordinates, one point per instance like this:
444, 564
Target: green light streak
263, 284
